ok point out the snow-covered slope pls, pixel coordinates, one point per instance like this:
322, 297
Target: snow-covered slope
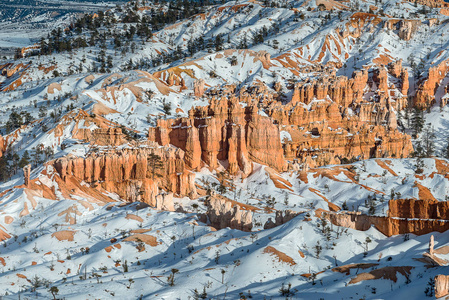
91, 248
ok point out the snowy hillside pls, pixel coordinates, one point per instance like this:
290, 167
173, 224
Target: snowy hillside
204, 150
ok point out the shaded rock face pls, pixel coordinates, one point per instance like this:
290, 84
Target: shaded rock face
130, 173
281, 218
222, 214
407, 28
441, 286
223, 131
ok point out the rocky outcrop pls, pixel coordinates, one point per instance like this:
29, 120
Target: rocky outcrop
331, 118
108, 137
395, 69
198, 87
431, 3
264, 57
135, 174
441, 286
222, 214
343, 124
340, 89
2, 145
387, 225
281, 218
418, 209
407, 28
223, 131
425, 95
164, 201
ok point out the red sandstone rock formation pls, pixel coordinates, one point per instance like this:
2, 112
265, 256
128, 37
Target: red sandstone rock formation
2, 145
225, 130
108, 137
165, 202
129, 172
431, 3
342, 125
418, 209
222, 214
198, 87
407, 28
441, 286
425, 95
387, 225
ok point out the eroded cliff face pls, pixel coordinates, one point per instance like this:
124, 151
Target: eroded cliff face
132, 173
223, 131
338, 117
425, 95
441, 286
420, 209
222, 214
91, 128
389, 226
327, 120
108, 137
13, 74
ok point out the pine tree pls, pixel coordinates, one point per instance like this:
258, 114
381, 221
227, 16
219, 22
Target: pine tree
25, 160
417, 122
446, 152
428, 138
154, 163
419, 165
167, 108
4, 169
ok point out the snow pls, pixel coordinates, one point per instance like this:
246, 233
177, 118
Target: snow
182, 245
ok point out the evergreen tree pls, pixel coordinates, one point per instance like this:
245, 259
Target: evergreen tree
154, 163
25, 160
417, 122
419, 166
428, 138
446, 152
4, 169
167, 108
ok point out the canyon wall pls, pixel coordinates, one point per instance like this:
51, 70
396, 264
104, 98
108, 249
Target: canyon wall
135, 174
224, 130
331, 118
419, 209
341, 124
387, 225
